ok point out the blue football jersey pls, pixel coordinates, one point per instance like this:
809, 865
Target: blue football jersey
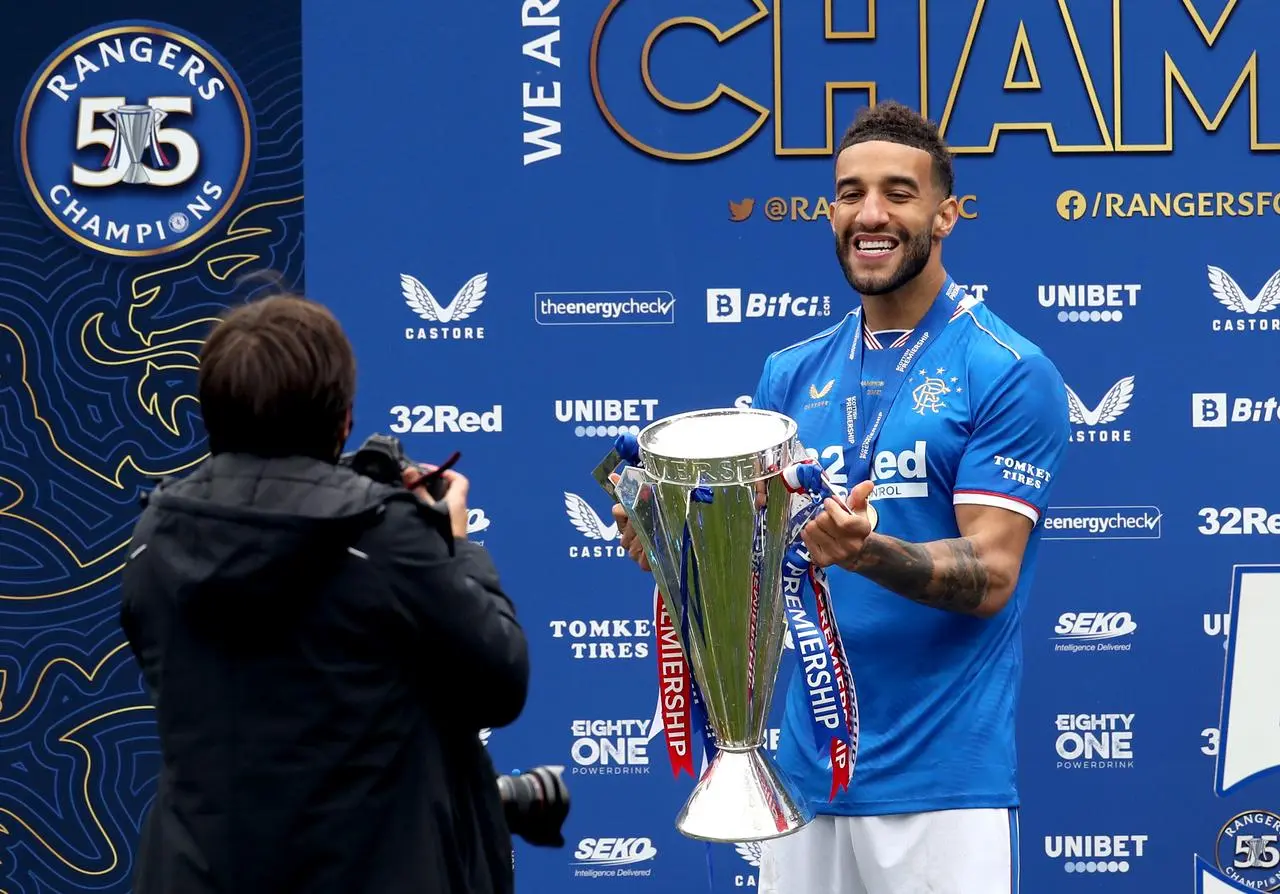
980, 419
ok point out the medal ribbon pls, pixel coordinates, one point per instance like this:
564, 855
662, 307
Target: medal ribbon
865, 417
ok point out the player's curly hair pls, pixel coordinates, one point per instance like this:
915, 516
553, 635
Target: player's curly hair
893, 122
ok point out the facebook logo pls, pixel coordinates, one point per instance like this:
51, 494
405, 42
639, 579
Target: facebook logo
724, 305
1208, 410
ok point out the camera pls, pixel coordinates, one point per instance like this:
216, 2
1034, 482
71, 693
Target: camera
382, 458
536, 803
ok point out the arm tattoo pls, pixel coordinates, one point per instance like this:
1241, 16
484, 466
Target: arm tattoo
945, 574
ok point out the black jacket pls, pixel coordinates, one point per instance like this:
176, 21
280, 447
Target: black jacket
321, 662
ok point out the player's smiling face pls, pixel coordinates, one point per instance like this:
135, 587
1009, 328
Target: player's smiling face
884, 214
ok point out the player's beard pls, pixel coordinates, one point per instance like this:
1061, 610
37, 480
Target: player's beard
916, 248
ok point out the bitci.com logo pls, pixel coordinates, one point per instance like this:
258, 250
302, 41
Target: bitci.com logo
1217, 409
614, 857
729, 306
1094, 741
135, 139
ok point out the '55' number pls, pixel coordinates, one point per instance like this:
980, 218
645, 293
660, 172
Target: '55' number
179, 141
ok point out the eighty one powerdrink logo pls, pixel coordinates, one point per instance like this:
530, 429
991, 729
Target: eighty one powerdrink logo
135, 139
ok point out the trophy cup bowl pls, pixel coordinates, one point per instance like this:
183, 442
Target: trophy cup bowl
136, 126
711, 509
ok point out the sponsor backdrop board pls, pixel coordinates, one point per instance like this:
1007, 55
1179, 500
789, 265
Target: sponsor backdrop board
544, 222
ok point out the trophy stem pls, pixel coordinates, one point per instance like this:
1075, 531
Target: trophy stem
743, 796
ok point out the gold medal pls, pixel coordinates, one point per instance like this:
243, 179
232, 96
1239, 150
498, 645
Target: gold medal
872, 515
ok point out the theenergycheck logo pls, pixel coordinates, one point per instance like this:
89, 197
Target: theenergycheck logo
604, 308
1102, 523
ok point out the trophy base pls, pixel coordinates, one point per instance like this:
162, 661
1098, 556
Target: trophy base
743, 796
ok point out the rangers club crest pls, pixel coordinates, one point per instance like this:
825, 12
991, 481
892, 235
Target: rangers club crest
135, 139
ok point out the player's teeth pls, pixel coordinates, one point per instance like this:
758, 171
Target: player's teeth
881, 245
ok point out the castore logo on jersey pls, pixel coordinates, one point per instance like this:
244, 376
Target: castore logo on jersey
175, 154
465, 303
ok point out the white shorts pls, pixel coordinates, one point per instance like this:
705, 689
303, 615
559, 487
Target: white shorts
941, 852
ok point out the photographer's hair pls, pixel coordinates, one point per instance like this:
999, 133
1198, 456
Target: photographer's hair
892, 122
277, 378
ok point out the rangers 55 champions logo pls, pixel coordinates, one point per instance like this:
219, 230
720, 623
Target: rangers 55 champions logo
135, 139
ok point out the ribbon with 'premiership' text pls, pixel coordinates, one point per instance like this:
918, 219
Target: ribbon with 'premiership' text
823, 664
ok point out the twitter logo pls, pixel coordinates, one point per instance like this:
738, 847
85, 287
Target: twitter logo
740, 211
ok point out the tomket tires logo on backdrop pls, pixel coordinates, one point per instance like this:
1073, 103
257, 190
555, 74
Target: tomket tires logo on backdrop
135, 139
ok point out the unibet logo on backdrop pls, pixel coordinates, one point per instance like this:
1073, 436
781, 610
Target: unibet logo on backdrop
727, 306
1094, 741
175, 152
1088, 854
1094, 632
1215, 409
1250, 308
607, 418
611, 747
447, 317
1089, 302
605, 639
1094, 423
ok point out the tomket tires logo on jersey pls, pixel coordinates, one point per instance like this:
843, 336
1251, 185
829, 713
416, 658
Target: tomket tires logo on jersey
135, 139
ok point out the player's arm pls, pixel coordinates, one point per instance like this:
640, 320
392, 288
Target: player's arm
1011, 460
974, 574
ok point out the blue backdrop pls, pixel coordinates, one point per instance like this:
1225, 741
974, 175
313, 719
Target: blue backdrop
521, 212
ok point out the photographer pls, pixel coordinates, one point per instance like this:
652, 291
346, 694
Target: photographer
321, 649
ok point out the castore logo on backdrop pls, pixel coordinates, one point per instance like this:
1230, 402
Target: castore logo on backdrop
607, 418
591, 526
1250, 308
445, 318
1109, 409
726, 305
605, 639
173, 158
1089, 302
1095, 853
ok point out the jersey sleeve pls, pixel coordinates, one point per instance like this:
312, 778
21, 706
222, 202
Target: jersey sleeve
1019, 440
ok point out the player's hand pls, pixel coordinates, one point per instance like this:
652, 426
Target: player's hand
627, 537
836, 534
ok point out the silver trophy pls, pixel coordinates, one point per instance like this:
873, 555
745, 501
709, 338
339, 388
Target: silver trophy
711, 508
135, 132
